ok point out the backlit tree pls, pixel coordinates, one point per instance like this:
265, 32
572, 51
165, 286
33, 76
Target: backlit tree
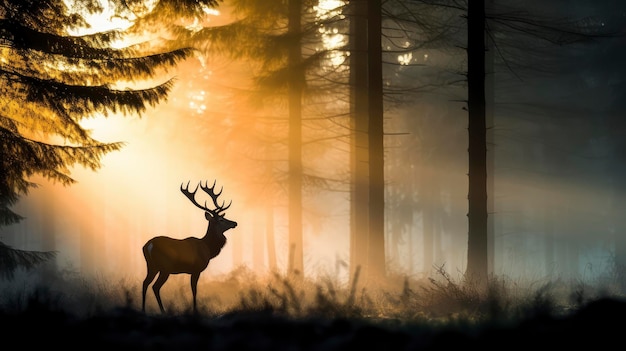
52, 78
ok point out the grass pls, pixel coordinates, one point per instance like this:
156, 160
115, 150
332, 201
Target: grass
244, 310
436, 300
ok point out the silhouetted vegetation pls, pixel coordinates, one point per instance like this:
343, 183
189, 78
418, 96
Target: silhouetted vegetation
247, 311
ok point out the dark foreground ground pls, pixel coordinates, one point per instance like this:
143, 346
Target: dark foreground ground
600, 324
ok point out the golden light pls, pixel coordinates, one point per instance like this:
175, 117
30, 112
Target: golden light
135, 195
331, 37
405, 59
326, 9
106, 20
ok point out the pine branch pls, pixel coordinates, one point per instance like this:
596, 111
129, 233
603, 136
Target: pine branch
11, 259
15, 35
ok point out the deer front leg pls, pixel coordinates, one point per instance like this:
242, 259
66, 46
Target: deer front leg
149, 277
157, 287
194, 288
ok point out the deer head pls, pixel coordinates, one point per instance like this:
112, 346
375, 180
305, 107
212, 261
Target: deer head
216, 215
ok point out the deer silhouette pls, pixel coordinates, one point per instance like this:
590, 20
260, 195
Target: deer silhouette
165, 255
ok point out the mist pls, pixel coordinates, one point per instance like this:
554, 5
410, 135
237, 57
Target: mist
558, 177
136, 194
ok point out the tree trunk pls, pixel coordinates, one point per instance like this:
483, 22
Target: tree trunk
358, 160
235, 243
88, 245
48, 225
376, 253
548, 222
426, 198
296, 86
477, 252
489, 123
258, 249
619, 233
269, 235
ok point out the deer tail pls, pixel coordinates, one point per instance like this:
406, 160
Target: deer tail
147, 250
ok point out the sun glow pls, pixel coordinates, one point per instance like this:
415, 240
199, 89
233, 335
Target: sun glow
327, 9
105, 20
135, 194
405, 59
332, 39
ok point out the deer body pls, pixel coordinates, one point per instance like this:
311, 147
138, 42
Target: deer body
175, 256
165, 255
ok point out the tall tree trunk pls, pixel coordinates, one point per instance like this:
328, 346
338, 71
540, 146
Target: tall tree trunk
88, 246
548, 223
490, 135
236, 245
376, 253
258, 247
48, 227
477, 253
571, 247
397, 223
410, 242
269, 235
269, 212
426, 199
358, 124
617, 169
296, 86
618, 208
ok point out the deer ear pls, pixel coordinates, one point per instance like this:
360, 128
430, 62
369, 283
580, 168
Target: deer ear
207, 215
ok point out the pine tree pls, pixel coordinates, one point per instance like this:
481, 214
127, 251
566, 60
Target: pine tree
52, 79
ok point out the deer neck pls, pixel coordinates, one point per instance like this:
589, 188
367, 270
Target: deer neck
214, 239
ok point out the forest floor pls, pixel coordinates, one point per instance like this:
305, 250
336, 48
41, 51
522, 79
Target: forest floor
283, 314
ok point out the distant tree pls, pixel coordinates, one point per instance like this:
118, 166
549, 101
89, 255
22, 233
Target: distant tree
52, 79
375, 133
367, 244
359, 179
477, 253
281, 44
494, 30
488, 24
508, 32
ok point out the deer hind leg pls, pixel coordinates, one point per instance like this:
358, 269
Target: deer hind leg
146, 282
194, 288
157, 287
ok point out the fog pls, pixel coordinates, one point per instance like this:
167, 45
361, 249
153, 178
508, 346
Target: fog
136, 194
558, 155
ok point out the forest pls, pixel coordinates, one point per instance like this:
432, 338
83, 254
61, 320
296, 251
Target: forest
404, 173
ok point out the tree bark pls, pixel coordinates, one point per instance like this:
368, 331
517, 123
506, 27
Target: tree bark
376, 253
490, 135
477, 250
427, 221
258, 249
269, 235
358, 124
296, 86
48, 227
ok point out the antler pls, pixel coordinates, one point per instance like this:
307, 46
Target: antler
209, 190
191, 196
214, 196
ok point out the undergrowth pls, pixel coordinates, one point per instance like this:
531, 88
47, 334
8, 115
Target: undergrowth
438, 300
